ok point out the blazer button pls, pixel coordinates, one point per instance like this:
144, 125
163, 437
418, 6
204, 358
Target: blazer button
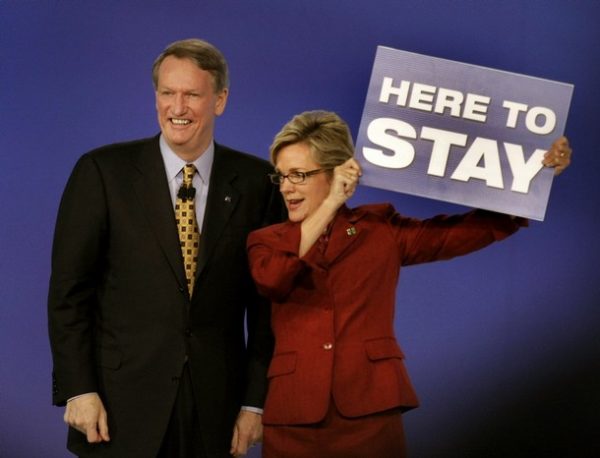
327, 346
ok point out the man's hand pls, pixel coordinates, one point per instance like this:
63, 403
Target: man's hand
247, 431
558, 156
86, 414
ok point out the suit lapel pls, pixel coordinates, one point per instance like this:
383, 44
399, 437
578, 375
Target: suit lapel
344, 233
222, 200
152, 190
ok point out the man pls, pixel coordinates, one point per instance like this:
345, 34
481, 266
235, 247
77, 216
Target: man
149, 353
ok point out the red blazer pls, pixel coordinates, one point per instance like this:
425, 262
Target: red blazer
333, 311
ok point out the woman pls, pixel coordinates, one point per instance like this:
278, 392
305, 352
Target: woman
337, 382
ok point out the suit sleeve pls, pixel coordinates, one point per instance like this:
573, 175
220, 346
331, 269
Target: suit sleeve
274, 261
77, 265
444, 237
260, 337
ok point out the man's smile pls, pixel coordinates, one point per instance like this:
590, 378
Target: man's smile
180, 121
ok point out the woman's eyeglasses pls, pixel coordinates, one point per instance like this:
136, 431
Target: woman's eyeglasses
294, 177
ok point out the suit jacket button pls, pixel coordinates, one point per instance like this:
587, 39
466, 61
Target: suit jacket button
327, 346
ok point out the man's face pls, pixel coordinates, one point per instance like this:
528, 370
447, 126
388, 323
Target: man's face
187, 105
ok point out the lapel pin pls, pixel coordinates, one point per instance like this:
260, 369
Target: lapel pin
351, 231
227, 199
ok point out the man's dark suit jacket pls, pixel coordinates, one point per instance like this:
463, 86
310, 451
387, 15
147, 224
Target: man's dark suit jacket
121, 321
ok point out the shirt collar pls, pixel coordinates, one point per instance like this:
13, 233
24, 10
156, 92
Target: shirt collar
174, 164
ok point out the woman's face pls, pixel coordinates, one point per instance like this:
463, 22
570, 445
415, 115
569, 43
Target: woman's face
301, 199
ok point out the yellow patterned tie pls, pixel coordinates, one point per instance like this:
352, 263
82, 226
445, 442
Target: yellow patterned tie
189, 235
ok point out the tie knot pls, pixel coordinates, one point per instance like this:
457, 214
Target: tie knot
188, 174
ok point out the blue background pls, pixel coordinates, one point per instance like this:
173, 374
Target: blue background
503, 345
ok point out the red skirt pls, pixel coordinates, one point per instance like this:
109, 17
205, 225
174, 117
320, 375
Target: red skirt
379, 435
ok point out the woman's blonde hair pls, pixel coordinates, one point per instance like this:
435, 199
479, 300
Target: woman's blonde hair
324, 132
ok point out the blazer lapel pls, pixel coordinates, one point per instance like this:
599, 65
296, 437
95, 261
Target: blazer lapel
221, 201
344, 233
152, 190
